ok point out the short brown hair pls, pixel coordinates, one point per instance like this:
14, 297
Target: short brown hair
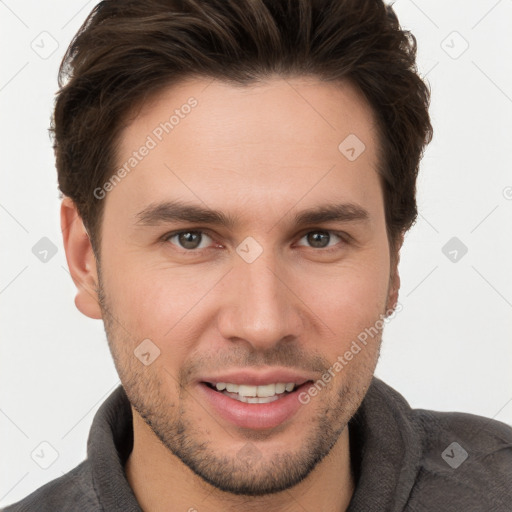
128, 50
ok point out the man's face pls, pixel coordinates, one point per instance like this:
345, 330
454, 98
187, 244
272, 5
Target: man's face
263, 300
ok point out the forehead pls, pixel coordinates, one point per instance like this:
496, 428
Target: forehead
268, 145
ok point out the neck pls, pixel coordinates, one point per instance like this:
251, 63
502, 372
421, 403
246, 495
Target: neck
161, 482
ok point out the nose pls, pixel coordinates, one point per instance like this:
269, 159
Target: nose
258, 305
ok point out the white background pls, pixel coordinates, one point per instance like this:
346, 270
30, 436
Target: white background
448, 349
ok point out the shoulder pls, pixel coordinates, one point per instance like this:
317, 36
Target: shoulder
466, 457
72, 491
452, 460
483, 439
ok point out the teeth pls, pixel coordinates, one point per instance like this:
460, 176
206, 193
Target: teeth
266, 391
247, 390
280, 388
257, 400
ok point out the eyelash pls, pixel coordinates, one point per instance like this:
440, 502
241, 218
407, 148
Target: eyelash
344, 237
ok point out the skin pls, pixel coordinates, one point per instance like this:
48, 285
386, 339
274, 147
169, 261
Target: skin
261, 153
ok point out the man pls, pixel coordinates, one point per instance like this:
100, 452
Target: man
238, 177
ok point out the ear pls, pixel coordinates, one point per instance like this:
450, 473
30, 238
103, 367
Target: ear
394, 280
81, 259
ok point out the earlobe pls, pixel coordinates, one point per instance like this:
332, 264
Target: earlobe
394, 287
81, 259
394, 281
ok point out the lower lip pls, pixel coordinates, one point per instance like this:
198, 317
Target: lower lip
253, 416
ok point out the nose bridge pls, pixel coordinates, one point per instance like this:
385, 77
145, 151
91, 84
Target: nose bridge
261, 309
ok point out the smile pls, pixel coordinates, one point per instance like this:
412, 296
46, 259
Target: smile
262, 406
254, 394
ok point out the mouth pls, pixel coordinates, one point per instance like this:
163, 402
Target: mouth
250, 394
250, 406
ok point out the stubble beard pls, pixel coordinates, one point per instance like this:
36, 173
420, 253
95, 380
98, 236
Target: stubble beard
248, 472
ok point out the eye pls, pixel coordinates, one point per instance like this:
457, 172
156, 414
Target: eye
195, 240
189, 240
319, 239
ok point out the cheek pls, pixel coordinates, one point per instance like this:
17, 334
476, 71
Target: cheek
147, 307
348, 302
161, 304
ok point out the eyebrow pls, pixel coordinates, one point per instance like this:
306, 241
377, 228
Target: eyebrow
177, 211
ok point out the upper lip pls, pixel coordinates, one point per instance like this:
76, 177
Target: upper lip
253, 377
